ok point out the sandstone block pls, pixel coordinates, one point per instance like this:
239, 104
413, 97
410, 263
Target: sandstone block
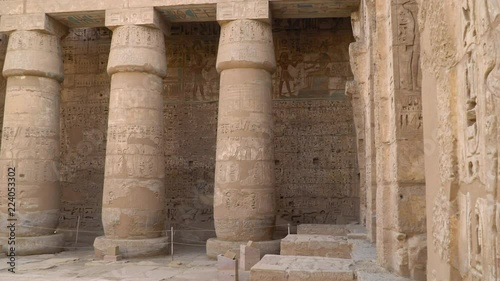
316, 245
227, 267
249, 256
298, 268
323, 229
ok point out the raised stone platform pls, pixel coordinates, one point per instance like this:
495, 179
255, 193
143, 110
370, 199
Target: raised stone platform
132, 248
299, 268
316, 245
217, 247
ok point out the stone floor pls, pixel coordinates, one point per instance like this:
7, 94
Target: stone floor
190, 263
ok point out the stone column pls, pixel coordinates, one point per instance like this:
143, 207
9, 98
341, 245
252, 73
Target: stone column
244, 203
133, 212
361, 61
29, 154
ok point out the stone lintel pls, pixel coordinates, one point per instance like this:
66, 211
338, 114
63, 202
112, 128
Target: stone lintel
36, 22
238, 10
136, 16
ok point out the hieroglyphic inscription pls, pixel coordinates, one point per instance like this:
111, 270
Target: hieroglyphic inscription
190, 141
191, 56
84, 114
315, 165
302, 71
312, 66
204, 13
407, 72
255, 10
410, 114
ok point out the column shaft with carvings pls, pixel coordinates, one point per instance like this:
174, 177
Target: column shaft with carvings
397, 96
134, 213
29, 155
244, 203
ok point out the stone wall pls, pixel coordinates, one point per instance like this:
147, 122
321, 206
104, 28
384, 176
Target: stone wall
84, 123
453, 46
386, 96
461, 81
316, 167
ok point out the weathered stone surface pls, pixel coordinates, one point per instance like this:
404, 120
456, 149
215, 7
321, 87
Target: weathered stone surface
35, 22
37, 245
249, 256
132, 248
29, 156
227, 268
136, 16
32, 53
244, 195
134, 190
460, 51
299, 268
252, 10
323, 229
316, 245
385, 61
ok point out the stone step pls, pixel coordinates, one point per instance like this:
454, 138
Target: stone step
300, 268
371, 271
323, 229
316, 245
352, 231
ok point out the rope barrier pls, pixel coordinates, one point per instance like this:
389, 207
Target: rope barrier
172, 231
154, 231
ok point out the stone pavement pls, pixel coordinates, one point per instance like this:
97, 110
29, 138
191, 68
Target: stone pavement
190, 263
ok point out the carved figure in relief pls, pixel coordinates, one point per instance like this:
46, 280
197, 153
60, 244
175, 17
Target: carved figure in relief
320, 65
410, 55
197, 68
284, 74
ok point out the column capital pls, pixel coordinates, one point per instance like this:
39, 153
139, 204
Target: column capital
34, 53
33, 22
246, 44
241, 9
136, 16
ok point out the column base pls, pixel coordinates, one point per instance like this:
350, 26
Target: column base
216, 247
36, 245
132, 248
